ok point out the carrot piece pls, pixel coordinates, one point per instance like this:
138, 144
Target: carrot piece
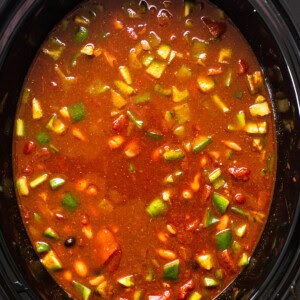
195, 185
81, 268
166, 254
111, 59
81, 184
118, 24
232, 145
105, 244
78, 134
223, 223
67, 275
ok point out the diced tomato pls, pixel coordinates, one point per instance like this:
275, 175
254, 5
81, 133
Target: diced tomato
185, 289
106, 245
242, 66
241, 173
215, 28
119, 123
227, 262
29, 147
207, 192
163, 17
215, 71
165, 296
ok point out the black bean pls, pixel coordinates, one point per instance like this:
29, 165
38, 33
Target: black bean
70, 242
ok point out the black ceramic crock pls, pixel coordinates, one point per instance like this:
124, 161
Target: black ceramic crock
276, 44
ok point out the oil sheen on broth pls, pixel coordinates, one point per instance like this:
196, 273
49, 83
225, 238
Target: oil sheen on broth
144, 151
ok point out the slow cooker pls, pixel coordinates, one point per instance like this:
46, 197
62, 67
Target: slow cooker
270, 26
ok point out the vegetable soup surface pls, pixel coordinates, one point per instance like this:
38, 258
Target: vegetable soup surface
144, 151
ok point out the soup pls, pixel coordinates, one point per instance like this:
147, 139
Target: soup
144, 151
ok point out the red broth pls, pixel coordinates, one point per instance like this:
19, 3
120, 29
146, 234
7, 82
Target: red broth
144, 151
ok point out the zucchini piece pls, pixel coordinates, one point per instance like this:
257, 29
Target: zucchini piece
220, 103
182, 113
244, 260
98, 88
228, 78
200, 143
125, 73
134, 62
153, 39
206, 83
205, 261
56, 125
69, 202
241, 230
195, 296
38, 180
240, 122
256, 128
188, 7
84, 291
199, 51
138, 123
150, 276
156, 68
179, 131
236, 247
102, 289
77, 112
260, 109
51, 234
37, 111
154, 134
81, 34
261, 99
138, 295
20, 128
173, 155
87, 49
225, 55
156, 208
117, 99
56, 182
51, 261
147, 60
159, 89
210, 282
22, 186
42, 247
171, 270
220, 202
238, 210
223, 239
126, 281
142, 98
164, 51
210, 219
183, 73
124, 88
179, 96
43, 138
214, 175
218, 183
255, 82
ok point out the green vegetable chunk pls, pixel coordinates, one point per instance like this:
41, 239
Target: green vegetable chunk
156, 135
142, 98
221, 202
210, 219
200, 143
138, 123
51, 261
173, 155
42, 247
69, 202
210, 282
223, 239
56, 182
51, 234
77, 112
38, 180
81, 35
156, 208
156, 69
84, 291
43, 138
244, 260
126, 281
195, 296
171, 270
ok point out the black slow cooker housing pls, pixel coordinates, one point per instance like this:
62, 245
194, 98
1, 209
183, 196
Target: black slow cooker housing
275, 42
